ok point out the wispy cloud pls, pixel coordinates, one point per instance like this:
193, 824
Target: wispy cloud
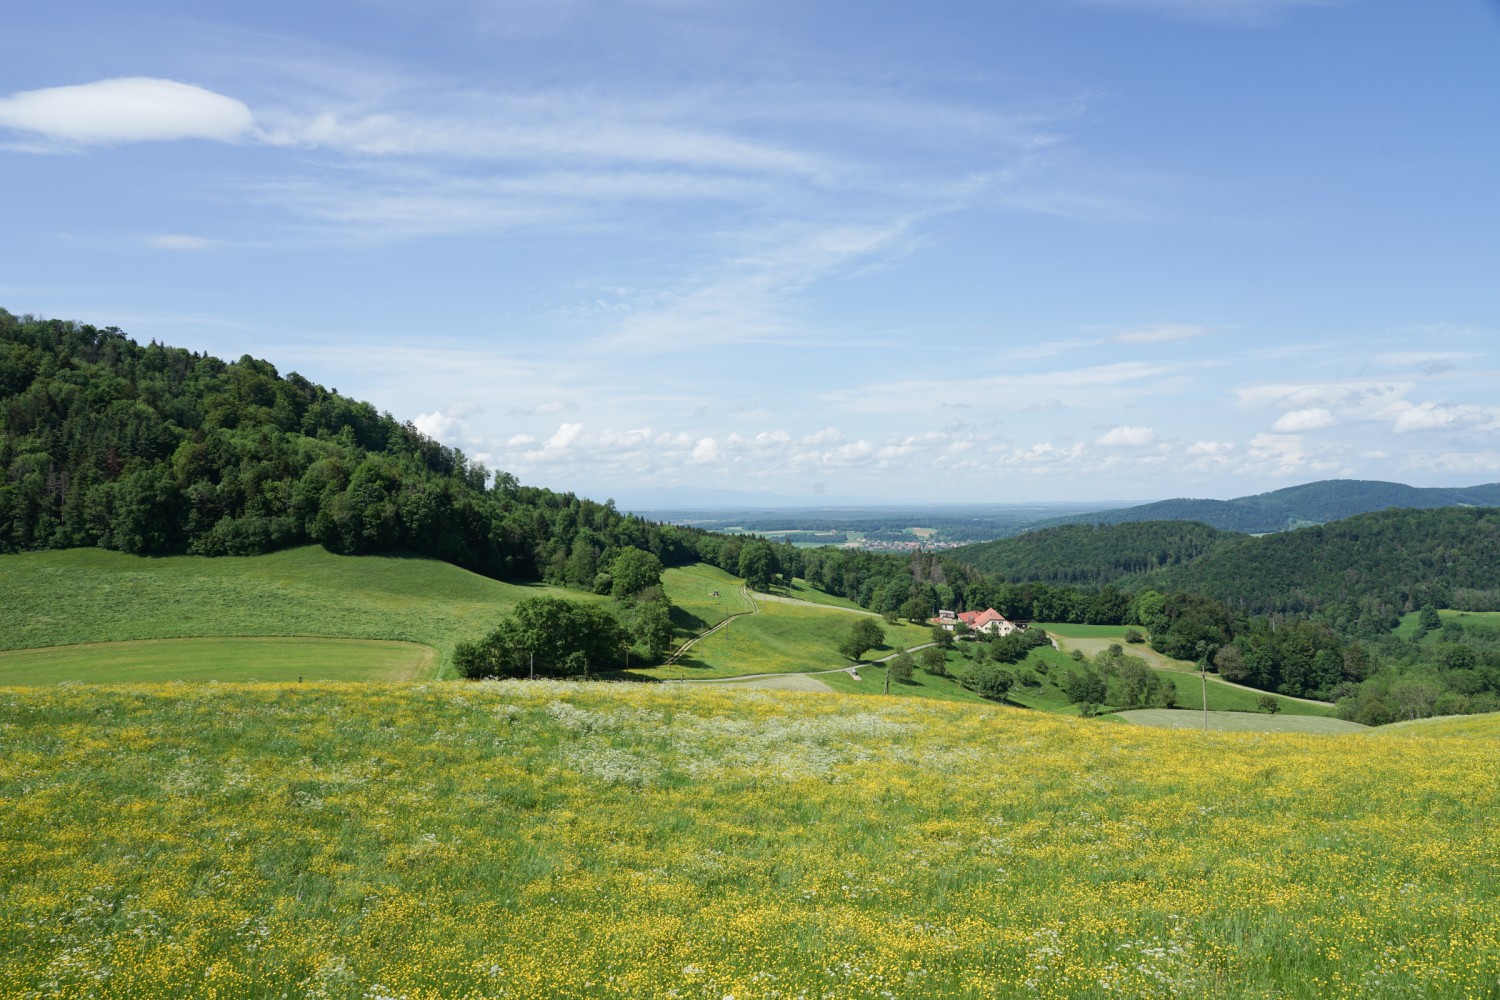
1162, 333
749, 297
1029, 390
1232, 11
180, 241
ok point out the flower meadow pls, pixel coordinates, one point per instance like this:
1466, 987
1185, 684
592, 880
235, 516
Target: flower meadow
571, 840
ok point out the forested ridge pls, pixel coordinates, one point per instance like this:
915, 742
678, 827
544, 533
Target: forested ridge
1294, 506
1393, 560
1388, 562
1089, 555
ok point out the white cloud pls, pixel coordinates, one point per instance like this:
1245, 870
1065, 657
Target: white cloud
826, 436
1127, 436
448, 424
1411, 418
1288, 455
1366, 399
436, 425
1209, 448
1298, 421
705, 451
126, 109
564, 438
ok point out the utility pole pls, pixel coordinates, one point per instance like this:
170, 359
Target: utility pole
1203, 678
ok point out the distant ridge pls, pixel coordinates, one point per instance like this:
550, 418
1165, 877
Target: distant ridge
1295, 506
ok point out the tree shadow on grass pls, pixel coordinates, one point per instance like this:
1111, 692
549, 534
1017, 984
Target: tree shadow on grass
687, 621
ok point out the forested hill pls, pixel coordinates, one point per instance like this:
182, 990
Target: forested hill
1383, 563
1089, 555
1295, 506
1386, 562
158, 450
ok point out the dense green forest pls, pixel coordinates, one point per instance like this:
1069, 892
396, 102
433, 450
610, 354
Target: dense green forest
1375, 565
1389, 562
1089, 555
1295, 506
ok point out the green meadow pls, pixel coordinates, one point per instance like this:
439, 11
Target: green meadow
691, 591
225, 660
78, 596
780, 637
545, 840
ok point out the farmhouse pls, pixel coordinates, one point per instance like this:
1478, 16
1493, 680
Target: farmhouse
989, 621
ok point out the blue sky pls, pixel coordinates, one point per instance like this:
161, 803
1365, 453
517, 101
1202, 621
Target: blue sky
957, 251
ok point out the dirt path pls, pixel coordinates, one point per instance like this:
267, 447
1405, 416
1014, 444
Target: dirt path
754, 610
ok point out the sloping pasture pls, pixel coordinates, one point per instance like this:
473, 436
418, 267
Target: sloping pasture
569, 840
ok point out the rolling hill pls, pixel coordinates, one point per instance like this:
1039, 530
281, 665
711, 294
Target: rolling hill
1293, 507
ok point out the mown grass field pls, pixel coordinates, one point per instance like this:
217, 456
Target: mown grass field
803, 592
224, 660
691, 590
581, 841
94, 596
779, 638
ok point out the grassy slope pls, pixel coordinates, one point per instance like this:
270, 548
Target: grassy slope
239, 659
803, 591
780, 638
550, 840
1478, 621
1475, 726
691, 589
91, 595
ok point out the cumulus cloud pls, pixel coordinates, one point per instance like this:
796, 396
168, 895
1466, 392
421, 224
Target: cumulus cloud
1297, 421
1127, 436
565, 436
705, 451
447, 424
126, 109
